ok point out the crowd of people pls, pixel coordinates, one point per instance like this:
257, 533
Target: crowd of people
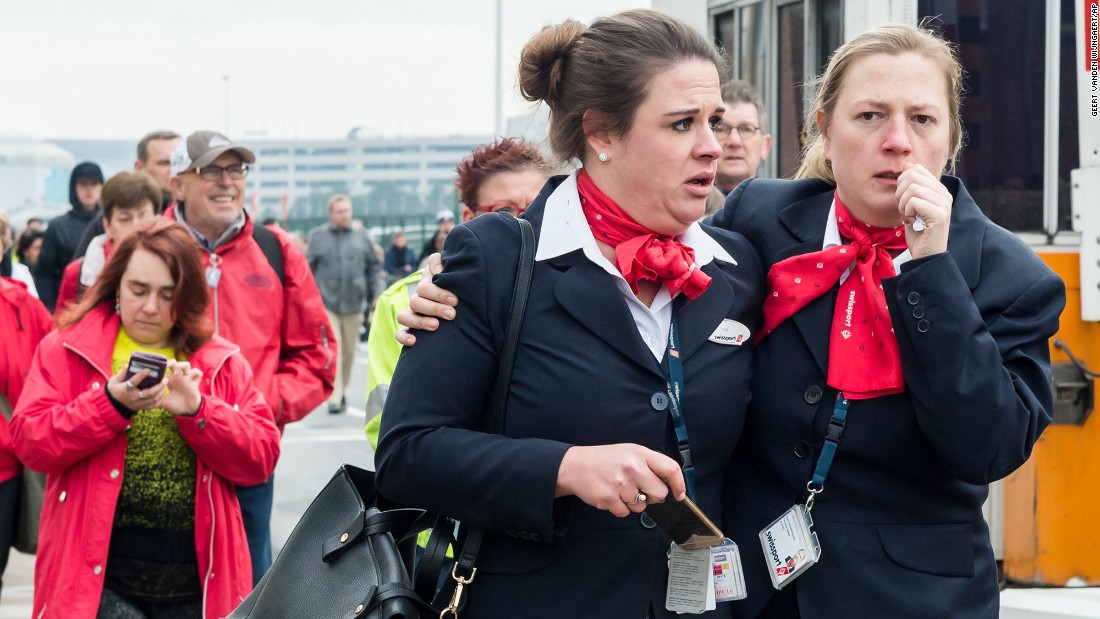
859, 341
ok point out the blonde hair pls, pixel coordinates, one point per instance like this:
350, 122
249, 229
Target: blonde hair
891, 39
605, 67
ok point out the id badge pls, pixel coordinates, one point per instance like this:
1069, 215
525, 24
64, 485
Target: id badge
790, 545
729, 577
690, 581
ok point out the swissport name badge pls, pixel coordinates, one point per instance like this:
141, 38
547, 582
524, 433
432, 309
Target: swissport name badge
730, 333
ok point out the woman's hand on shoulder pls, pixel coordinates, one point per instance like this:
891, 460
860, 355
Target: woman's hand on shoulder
183, 397
921, 195
621, 479
427, 306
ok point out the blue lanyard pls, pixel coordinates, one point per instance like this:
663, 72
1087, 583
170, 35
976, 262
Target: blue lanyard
675, 391
832, 440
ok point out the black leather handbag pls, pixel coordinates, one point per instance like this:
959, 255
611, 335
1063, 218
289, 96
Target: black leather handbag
348, 559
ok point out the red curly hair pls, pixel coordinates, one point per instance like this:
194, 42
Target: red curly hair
487, 160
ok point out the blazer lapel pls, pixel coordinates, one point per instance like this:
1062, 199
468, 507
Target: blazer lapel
588, 294
699, 318
806, 220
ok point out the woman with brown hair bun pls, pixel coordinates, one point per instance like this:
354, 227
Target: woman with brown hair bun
140, 517
629, 293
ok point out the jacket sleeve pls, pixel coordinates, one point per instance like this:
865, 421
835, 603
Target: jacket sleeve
382, 354
432, 452
52, 428
978, 369
307, 350
234, 431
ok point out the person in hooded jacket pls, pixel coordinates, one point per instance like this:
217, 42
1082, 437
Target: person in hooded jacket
64, 232
140, 516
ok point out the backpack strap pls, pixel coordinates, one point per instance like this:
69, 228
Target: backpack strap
273, 251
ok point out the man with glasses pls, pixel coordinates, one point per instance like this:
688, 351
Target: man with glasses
744, 142
349, 275
263, 298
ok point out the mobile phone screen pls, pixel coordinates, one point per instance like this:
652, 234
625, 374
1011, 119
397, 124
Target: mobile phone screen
147, 361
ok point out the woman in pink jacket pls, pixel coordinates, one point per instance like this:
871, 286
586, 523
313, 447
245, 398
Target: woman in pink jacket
140, 517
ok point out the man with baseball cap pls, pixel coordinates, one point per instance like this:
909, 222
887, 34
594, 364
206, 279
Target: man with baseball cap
263, 298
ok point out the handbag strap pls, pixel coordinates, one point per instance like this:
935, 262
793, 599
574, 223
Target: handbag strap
464, 570
524, 272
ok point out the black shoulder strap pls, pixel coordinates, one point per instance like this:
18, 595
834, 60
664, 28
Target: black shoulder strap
525, 268
272, 250
522, 286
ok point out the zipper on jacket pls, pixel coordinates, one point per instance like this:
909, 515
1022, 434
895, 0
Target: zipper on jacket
213, 530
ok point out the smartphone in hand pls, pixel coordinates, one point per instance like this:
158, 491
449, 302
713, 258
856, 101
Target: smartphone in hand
685, 523
153, 362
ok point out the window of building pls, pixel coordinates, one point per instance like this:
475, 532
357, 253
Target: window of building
450, 148
271, 169
389, 150
321, 151
273, 184
274, 152
1002, 48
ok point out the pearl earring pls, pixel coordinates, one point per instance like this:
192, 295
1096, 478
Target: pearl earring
604, 157
116, 304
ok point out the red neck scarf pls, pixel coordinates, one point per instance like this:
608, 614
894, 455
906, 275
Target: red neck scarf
864, 361
640, 253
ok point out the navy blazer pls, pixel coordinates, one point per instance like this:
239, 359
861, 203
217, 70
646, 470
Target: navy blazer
582, 376
900, 520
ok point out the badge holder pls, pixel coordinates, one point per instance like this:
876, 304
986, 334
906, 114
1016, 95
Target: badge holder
789, 543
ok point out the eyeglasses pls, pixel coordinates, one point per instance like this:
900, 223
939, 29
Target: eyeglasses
514, 211
722, 131
214, 173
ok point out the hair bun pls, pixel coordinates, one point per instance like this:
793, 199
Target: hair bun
542, 61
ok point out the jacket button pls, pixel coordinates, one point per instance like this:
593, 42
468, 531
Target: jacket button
236, 407
812, 395
922, 325
659, 401
114, 473
61, 497
98, 570
201, 423
918, 311
802, 449
95, 385
647, 522
913, 298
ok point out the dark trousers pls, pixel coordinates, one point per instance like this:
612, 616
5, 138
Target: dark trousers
9, 503
256, 502
113, 605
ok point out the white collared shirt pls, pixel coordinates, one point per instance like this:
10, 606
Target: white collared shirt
564, 229
832, 239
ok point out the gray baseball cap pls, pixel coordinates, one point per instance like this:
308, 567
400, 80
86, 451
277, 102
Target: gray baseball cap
201, 148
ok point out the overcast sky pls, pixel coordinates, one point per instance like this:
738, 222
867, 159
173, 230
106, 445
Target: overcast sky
301, 68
